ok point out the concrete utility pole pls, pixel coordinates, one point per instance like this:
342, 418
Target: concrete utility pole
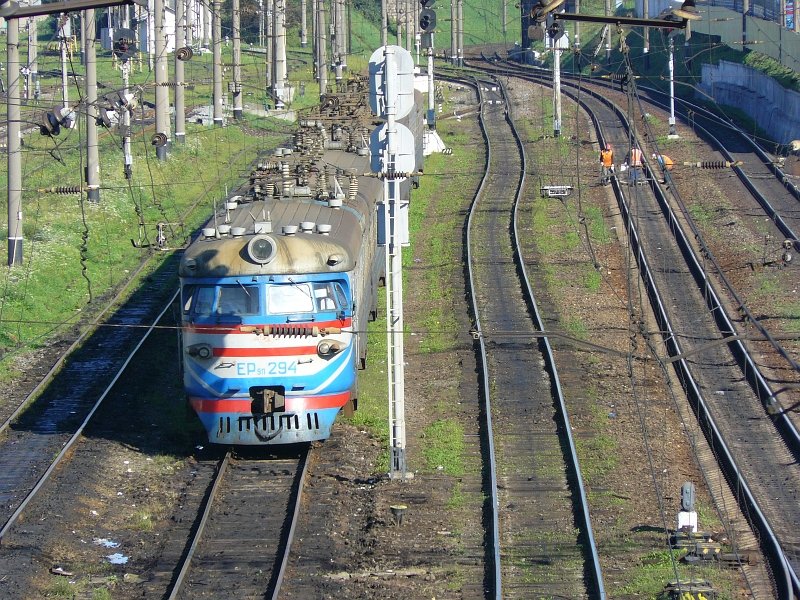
384, 22
556, 89
32, 73
315, 38
407, 17
92, 150
216, 41
342, 36
260, 23
162, 92
303, 24
745, 10
460, 40
399, 33
204, 9
270, 45
180, 43
237, 62
14, 145
431, 90
82, 40
127, 169
344, 39
338, 39
280, 89
191, 19
63, 31
607, 30
453, 33
646, 34
12, 13
322, 44
672, 131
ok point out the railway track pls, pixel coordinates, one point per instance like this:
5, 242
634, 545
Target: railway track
772, 379
243, 537
55, 419
732, 413
770, 189
542, 539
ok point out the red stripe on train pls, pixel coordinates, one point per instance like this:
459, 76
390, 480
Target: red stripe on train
293, 403
254, 352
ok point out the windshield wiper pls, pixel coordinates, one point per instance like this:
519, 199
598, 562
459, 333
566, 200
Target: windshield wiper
300, 287
246, 291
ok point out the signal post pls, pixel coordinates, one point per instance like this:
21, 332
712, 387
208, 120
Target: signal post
393, 157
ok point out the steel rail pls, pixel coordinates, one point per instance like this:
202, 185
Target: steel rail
785, 577
79, 432
789, 580
201, 525
551, 361
94, 323
707, 252
793, 189
495, 501
599, 589
278, 578
92, 326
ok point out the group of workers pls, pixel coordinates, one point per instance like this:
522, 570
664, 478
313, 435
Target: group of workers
632, 164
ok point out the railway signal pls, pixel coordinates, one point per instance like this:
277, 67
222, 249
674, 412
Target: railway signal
555, 29
427, 22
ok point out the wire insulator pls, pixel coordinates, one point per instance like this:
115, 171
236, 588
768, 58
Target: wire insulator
713, 164
184, 54
61, 189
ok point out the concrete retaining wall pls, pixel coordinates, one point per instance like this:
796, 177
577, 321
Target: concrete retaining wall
774, 108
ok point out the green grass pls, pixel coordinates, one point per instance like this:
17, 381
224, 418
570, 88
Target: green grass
61, 587
101, 594
443, 446
788, 78
702, 215
769, 284
791, 312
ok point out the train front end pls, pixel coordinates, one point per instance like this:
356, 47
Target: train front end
268, 351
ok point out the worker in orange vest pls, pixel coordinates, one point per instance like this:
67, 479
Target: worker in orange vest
665, 162
606, 164
635, 165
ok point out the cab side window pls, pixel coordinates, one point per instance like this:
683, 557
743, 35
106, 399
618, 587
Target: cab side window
324, 297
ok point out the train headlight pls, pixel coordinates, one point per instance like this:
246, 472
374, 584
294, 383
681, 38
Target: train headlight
202, 351
262, 249
328, 347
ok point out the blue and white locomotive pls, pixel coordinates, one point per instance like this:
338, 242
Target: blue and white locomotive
276, 296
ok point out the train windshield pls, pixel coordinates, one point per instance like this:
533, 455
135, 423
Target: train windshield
208, 300
305, 298
237, 300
